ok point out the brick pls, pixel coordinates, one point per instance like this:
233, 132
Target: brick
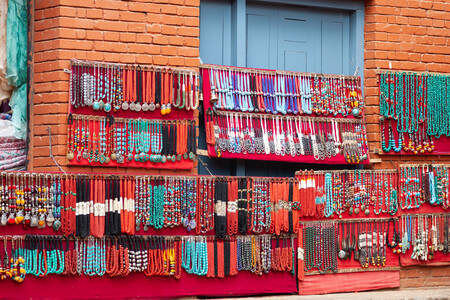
111, 36
47, 161
172, 20
144, 7
192, 2
160, 60
50, 76
94, 13
127, 37
56, 129
175, 40
51, 86
169, 9
127, 58
143, 38
191, 41
46, 45
44, 109
94, 55
110, 46
46, 24
52, 64
153, 28
413, 12
168, 50
76, 44
46, 4
136, 27
111, 57
152, 49
110, 25
94, 35
78, 3
191, 22
131, 16
189, 52
111, 4
176, 61
188, 31
75, 23
376, 19
192, 62
144, 59
188, 11
111, 14
81, 13
160, 40
55, 119
168, 30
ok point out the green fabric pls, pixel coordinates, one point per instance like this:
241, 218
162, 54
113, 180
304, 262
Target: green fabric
16, 63
18, 103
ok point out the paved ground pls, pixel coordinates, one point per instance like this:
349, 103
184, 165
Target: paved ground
406, 294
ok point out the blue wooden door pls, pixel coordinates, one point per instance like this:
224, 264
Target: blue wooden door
298, 38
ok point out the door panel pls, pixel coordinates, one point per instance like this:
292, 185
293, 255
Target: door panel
258, 44
305, 39
215, 32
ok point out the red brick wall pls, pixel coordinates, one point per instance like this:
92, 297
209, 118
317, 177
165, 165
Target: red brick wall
159, 32
402, 35
410, 35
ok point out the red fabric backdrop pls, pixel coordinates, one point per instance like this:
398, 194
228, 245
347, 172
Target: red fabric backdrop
348, 282
337, 160
137, 284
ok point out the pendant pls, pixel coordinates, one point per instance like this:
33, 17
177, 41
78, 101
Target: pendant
125, 105
356, 210
356, 112
113, 156
132, 106
85, 155
185, 155
145, 107
191, 155
41, 221
107, 107
34, 221
4, 220
11, 218
101, 104
151, 106
96, 105
50, 219
192, 224
367, 212
341, 254
70, 155
137, 107
56, 225
107, 160
27, 219
19, 217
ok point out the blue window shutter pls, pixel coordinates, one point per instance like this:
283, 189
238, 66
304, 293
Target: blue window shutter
215, 32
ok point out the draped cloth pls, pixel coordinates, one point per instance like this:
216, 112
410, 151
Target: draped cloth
16, 60
5, 88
